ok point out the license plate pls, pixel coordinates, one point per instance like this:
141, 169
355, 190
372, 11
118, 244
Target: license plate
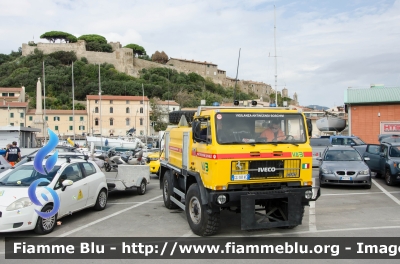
240, 177
345, 178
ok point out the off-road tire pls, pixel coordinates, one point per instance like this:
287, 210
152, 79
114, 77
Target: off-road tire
142, 188
200, 221
46, 226
168, 190
101, 201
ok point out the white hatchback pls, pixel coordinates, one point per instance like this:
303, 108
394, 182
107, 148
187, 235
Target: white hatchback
78, 182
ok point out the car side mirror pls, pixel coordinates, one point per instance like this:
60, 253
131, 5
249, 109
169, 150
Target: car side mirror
319, 158
66, 183
367, 158
352, 144
382, 154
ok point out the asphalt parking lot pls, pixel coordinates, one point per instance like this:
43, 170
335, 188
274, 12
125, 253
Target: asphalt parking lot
340, 211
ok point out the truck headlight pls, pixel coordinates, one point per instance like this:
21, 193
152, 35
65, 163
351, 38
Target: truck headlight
20, 203
326, 170
308, 194
221, 199
364, 172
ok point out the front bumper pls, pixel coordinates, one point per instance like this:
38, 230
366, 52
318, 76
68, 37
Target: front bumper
334, 179
234, 197
17, 220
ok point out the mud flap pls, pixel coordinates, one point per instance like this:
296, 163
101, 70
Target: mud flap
252, 220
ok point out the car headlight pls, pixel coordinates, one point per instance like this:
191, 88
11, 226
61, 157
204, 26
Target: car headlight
326, 170
364, 172
20, 203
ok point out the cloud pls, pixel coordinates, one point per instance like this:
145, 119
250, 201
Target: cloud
322, 46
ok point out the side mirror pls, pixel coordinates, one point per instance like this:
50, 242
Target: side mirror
381, 154
319, 158
309, 127
196, 130
352, 144
66, 183
367, 158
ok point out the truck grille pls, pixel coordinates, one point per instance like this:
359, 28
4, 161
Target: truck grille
268, 169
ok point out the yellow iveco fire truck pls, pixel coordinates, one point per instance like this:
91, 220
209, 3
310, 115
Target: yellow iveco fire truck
252, 160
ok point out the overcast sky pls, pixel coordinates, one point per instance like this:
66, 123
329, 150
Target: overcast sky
322, 46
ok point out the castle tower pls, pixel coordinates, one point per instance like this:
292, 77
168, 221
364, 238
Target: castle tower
296, 101
285, 92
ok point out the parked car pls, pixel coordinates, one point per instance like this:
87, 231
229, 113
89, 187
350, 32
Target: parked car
343, 165
59, 148
153, 160
384, 159
78, 182
345, 140
4, 165
318, 146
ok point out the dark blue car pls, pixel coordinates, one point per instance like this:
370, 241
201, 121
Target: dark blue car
384, 160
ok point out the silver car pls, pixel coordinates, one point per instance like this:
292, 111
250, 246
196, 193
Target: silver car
343, 165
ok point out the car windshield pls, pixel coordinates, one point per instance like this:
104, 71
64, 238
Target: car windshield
358, 141
342, 155
394, 152
249, 128
24, 175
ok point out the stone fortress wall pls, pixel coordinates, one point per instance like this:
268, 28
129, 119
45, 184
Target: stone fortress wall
124, 61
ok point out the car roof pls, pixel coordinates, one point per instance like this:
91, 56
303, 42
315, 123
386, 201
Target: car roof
62, 158
340, 147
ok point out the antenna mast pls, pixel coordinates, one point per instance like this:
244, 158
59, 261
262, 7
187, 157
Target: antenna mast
276, 62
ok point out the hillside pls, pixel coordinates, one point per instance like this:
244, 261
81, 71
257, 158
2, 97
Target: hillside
166, 84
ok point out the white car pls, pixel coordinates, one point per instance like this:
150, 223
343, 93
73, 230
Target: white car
83, 185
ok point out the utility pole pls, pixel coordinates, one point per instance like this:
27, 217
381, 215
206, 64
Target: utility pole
276, 62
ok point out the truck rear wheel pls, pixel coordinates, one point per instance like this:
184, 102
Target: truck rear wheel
168, 190
200, 221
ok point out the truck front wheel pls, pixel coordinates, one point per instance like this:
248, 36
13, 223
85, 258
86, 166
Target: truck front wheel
200, 221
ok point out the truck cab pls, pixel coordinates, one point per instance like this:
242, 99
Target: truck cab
244, 159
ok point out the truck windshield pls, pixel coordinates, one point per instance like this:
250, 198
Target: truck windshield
242, 128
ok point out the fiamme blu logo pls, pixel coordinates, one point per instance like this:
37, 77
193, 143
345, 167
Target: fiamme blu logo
49, 164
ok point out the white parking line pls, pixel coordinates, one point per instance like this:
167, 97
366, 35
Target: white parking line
364, 193
137, 202
386, 192
107, 217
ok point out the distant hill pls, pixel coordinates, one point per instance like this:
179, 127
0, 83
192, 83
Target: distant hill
317, 107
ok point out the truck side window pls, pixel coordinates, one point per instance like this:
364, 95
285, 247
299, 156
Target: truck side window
205, 134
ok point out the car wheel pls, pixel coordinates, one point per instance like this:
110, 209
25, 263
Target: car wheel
101, 201
388, 177
142, 188
46, 225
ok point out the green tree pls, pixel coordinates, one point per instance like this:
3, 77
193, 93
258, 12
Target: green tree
93, 38
158, 115
52, 36
137, 49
